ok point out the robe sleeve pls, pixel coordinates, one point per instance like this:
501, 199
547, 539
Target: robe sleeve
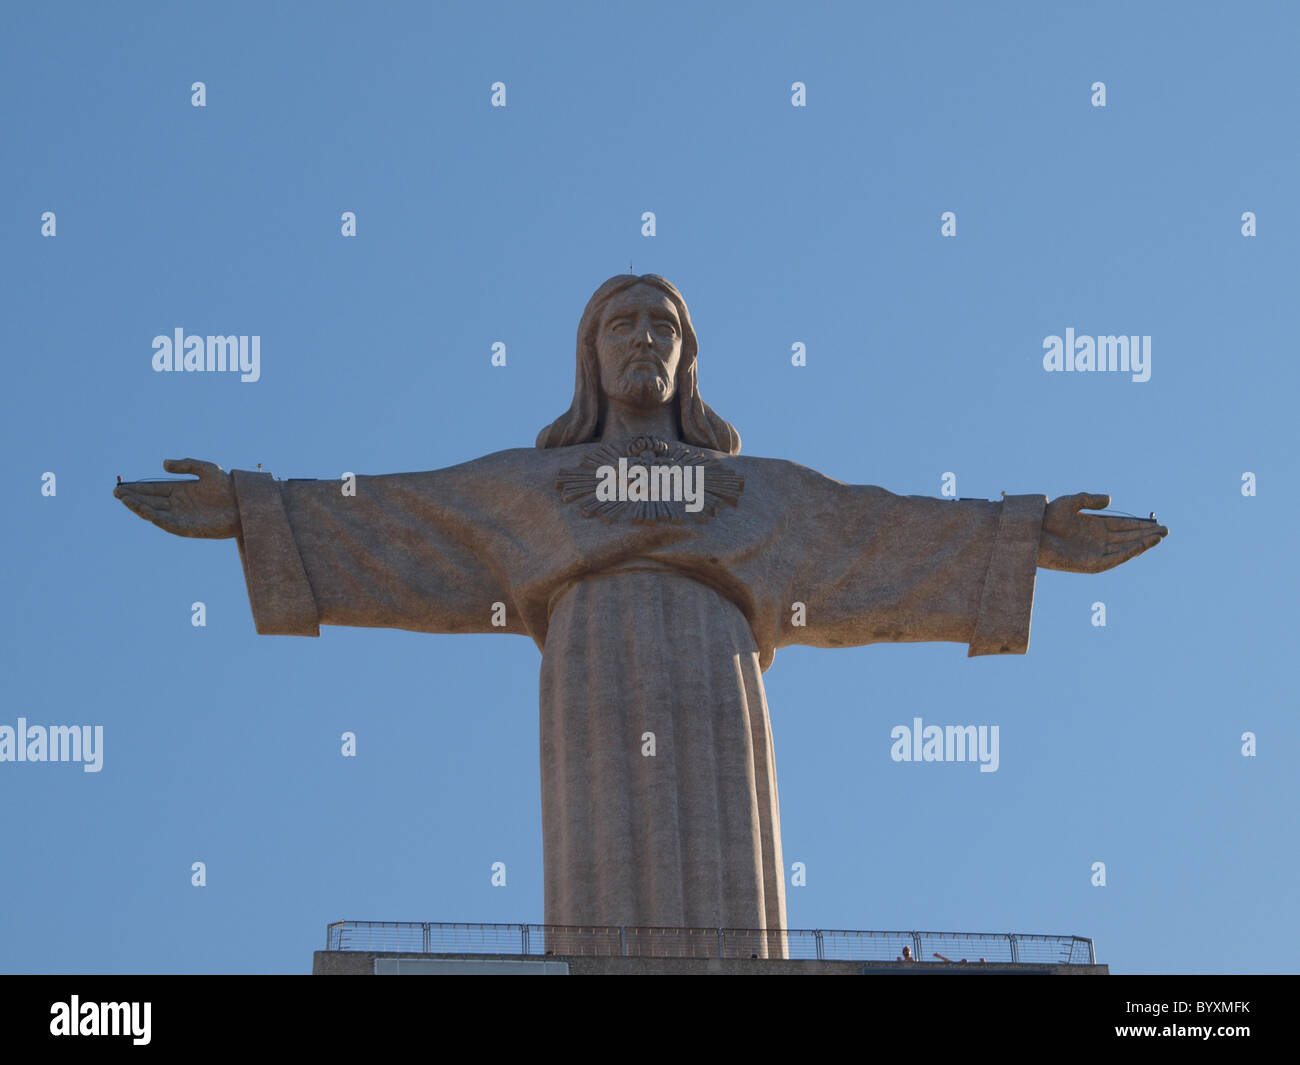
407, 551
877, 567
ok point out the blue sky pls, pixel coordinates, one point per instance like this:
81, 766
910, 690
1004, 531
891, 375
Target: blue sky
818, 224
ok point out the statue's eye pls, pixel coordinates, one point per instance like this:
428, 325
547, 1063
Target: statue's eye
621, 326
665, 329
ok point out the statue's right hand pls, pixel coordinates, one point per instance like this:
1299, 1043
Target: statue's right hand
205, 507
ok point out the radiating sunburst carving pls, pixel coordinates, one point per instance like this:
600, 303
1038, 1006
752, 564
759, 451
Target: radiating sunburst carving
721, 485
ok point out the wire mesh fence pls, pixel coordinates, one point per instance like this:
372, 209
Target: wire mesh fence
971, 948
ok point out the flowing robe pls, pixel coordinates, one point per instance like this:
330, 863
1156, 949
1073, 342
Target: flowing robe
663, 628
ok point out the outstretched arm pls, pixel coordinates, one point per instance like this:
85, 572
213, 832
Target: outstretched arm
874, 567
409, 551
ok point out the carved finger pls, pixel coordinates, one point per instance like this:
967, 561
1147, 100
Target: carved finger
197, 467
1125, 524
146, 488
153, 502
1131, 550
1134, 535
1090, 501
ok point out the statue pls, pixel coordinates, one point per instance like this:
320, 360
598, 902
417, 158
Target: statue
656, 611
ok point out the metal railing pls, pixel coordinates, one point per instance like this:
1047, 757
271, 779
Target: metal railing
427, 937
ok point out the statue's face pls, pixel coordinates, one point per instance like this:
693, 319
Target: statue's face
638, 347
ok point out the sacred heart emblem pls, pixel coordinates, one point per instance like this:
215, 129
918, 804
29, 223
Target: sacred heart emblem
647, 480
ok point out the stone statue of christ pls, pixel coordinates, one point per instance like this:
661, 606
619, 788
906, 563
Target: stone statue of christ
651, 617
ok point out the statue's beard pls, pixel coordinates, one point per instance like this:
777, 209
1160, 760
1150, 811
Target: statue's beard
643, 388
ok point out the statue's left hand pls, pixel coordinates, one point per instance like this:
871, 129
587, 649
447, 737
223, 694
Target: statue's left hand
1091, 543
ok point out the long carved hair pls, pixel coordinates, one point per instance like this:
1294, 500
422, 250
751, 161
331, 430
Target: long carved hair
696, 423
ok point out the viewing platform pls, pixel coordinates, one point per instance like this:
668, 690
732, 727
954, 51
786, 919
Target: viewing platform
435, 948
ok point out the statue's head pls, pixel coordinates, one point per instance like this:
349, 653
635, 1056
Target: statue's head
637, 348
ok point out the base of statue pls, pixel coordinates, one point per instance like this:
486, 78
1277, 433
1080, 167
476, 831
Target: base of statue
372, 963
